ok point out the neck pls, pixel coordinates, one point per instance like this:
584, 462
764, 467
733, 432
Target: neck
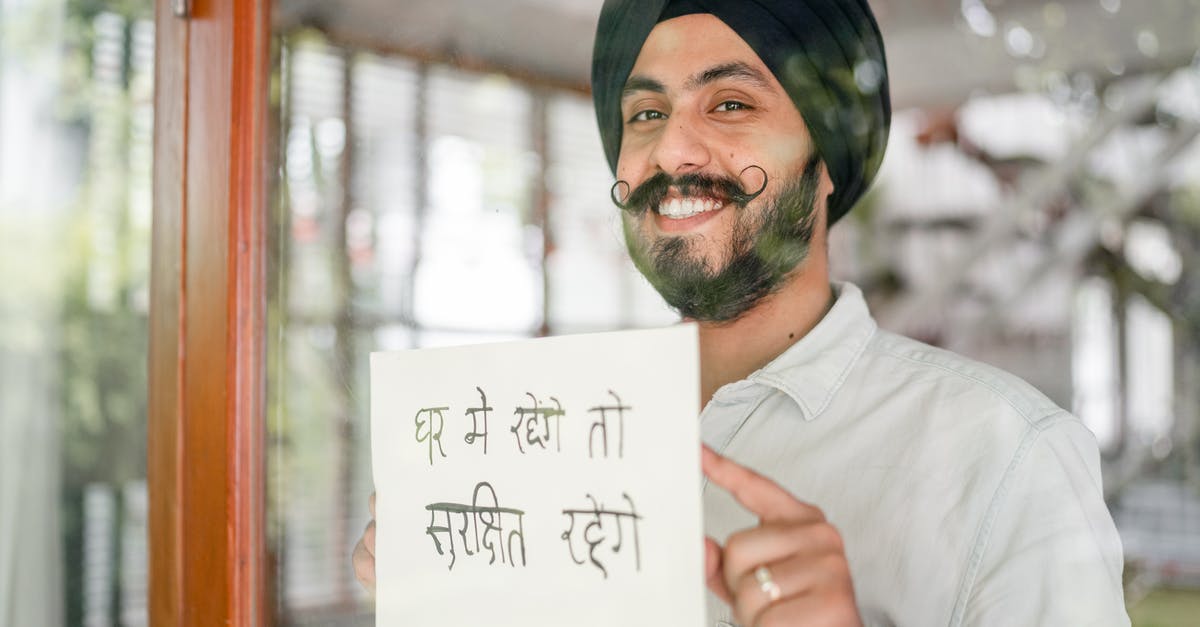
732, 351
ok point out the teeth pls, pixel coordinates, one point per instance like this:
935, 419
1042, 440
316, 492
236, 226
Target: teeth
678, 209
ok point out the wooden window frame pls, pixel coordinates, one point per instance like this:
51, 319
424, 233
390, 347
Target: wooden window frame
205, 427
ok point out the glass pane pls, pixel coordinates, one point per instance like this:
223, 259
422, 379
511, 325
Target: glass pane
441, 181
76, 135
406, 216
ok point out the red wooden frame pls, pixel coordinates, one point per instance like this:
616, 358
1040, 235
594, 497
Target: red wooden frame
206, 424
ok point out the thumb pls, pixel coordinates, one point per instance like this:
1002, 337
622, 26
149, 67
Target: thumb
713, 556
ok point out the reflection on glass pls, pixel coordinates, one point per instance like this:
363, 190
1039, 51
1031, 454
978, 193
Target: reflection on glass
417, 206
426, 204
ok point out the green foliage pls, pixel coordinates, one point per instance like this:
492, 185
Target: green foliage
103, 356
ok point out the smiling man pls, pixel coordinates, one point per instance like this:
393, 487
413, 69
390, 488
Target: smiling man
854, 476
859, 477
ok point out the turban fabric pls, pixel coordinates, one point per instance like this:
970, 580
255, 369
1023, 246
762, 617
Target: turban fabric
827, 54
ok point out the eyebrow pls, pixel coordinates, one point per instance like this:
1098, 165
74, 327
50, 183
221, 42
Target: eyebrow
638, 83
736, 70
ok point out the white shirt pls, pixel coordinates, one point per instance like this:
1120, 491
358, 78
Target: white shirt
963, 495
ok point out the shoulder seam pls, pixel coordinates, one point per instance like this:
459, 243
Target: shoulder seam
1006, 397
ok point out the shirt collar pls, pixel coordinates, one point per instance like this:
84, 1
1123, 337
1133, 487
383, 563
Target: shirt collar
813, 369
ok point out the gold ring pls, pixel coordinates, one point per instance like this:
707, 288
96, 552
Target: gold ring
767, 583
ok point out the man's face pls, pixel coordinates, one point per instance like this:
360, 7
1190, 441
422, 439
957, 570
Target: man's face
700, 109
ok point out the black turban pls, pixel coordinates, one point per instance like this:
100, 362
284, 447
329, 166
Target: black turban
827, 54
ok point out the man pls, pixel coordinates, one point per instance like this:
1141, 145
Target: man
859, 477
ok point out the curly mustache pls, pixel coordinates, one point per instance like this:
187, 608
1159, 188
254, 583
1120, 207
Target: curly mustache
652, 191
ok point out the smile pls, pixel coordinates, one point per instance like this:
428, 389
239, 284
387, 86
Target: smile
680, 208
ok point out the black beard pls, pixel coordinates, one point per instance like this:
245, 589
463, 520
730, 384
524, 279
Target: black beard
761, 254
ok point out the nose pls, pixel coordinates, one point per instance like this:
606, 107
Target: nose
680, 149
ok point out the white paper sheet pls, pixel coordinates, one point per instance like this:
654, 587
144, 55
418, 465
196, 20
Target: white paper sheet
585, 508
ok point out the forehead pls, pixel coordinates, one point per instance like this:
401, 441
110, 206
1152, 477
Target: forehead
680, 47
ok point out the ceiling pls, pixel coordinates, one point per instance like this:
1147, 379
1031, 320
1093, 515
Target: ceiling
937, 55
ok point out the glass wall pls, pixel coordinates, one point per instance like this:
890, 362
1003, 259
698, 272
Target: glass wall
1049, 225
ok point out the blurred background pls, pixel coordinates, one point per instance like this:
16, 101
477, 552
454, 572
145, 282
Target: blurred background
438, 179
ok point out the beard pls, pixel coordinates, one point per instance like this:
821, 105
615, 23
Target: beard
762, 251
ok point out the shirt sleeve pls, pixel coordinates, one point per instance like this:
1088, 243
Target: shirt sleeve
1050, 553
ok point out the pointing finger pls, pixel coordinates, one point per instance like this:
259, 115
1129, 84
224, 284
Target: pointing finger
763, 497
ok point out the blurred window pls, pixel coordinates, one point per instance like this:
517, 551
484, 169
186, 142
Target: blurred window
76, 141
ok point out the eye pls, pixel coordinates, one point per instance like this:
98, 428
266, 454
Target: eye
646, 115
732, 105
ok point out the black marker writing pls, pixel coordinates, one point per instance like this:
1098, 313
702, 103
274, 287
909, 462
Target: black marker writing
594, 535
474, 517
474, 413
427, 432
532, 418
601, 425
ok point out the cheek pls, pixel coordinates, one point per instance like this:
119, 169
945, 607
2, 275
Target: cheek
630, 169
625, 161
784, 149
634, 158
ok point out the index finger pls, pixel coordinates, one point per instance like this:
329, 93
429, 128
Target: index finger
763, 497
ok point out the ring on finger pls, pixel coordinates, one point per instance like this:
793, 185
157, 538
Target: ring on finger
766, 583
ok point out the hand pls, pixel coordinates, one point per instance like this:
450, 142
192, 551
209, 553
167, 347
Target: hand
364, 553
801, 550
